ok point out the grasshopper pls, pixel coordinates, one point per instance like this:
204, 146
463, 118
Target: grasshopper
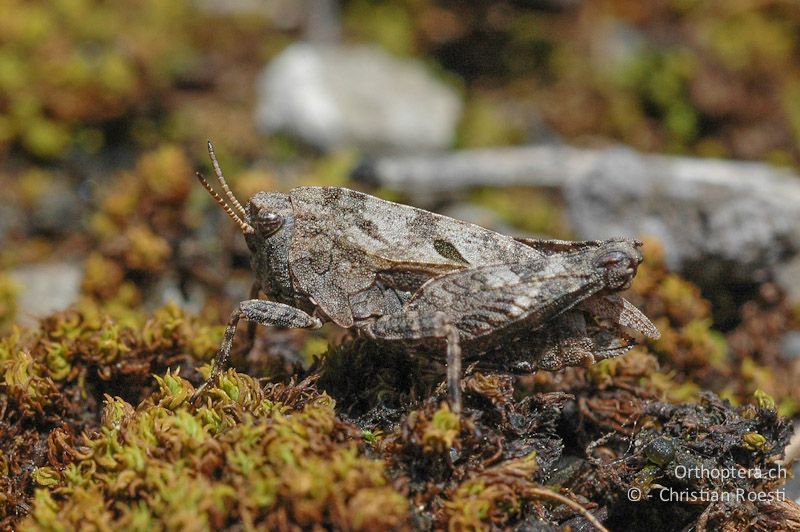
441, 286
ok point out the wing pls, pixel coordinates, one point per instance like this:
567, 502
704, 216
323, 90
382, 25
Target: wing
621, 312
483, 300
342, 239
549, 246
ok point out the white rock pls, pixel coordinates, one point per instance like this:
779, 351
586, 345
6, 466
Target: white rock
719, 221
45, 288
743, 215
333, 96
792, 457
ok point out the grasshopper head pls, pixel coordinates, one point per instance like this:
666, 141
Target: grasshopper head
617, 261
233, 209
266, 224
267, 213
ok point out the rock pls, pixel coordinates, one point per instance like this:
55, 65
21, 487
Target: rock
718, 220
737, 218
482, 216
356, 96
57, 210
792, 457
790, 347
45, 288
168, 290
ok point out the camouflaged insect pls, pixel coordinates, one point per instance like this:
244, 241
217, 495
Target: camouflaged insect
443, 287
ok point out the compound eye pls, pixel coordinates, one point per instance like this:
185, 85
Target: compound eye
268, 221
614, 260
618, 269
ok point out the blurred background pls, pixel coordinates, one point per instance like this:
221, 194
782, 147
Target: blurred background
562, 118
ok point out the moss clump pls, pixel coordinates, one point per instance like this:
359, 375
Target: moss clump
143, 214
65, 74
688, 342
497, 497
735, 364
53, 380
8, 302
81, 74
98, 429
87, 353
275, 458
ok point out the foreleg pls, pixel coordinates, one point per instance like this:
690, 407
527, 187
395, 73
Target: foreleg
261, 312
250, 333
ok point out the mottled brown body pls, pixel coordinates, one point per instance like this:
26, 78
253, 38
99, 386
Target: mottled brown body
441, 286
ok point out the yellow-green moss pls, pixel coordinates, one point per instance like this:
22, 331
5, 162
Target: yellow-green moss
494, 498
530, 210
248, 458
8, 302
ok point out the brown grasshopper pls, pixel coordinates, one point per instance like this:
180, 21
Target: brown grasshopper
392, 272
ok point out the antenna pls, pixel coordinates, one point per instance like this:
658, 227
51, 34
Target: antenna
221, 179
247, 229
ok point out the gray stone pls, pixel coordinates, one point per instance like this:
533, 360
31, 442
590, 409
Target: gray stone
735, 220
742, 216
356, 96
488, 218
45, 288
790, 345
792, 458
58, 209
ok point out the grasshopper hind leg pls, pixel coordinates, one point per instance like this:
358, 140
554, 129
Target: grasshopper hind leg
261, 312
419, 326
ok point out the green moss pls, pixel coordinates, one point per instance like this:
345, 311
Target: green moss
388, 23
495, 497
8, 302
530, 210
73, 73
125, 449
688, 338
483, 124
244, 454
141, 213
64, 54
440, 435
750, 37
